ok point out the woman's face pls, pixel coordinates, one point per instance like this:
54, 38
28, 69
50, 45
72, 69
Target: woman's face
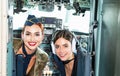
63, 49
32, 37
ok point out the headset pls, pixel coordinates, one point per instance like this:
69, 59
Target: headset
75, 42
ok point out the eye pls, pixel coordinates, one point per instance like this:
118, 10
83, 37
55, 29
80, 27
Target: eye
27, 34
65, 45
37, 34
56, 47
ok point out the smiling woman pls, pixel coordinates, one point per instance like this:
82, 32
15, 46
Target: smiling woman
32, 36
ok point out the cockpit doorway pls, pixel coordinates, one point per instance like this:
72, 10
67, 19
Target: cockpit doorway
56, 15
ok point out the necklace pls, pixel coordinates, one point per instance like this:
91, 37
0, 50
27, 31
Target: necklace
67, 61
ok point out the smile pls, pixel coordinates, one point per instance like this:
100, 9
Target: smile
62, 55
32, 43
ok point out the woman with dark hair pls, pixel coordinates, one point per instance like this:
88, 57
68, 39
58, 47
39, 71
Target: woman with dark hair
64, 54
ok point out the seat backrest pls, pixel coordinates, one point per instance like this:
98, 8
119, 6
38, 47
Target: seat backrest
84, 62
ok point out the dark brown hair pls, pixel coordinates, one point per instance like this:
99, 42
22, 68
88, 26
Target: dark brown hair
66, 34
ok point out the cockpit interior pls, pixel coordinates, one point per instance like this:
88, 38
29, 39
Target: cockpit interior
55, 15
95, 24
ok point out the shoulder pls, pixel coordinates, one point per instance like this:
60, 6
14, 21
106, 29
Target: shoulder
41, 54
17, 43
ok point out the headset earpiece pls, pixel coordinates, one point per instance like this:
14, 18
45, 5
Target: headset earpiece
52, 43
75, 43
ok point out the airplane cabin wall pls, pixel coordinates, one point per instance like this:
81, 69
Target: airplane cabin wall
108, 40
